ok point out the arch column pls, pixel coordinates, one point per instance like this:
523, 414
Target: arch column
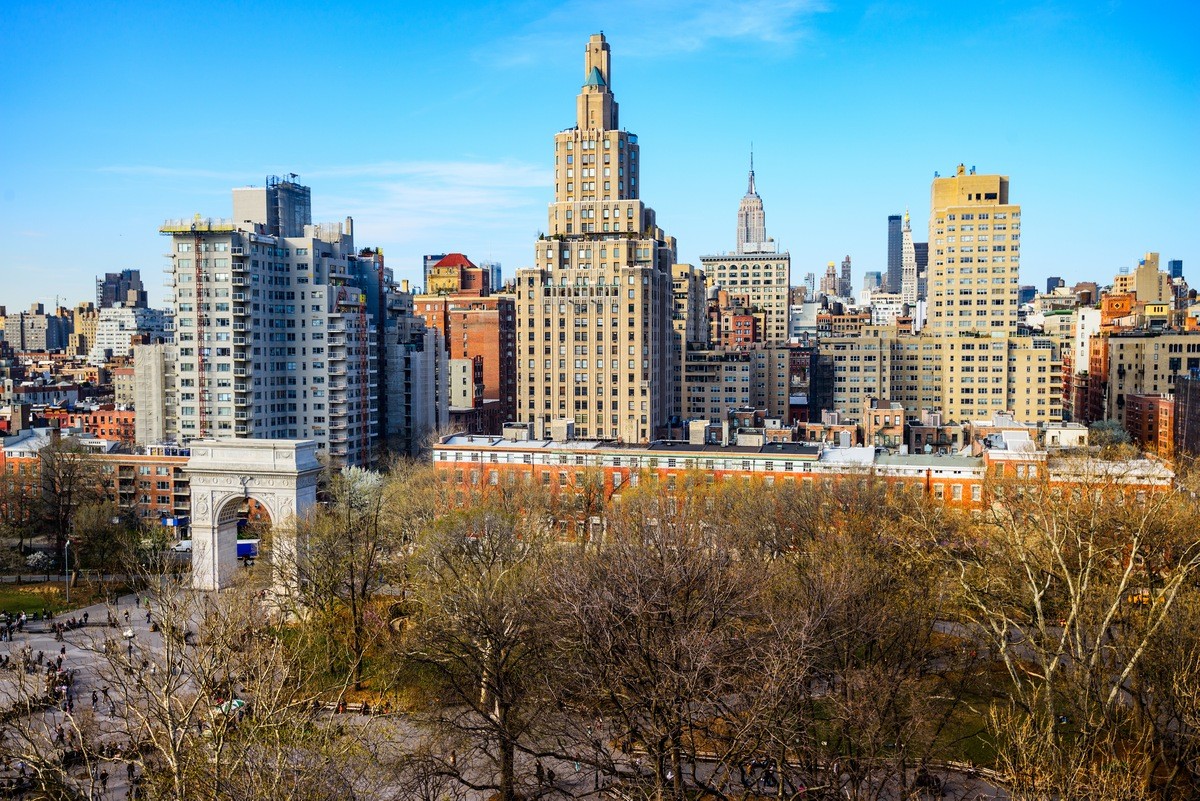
279, 474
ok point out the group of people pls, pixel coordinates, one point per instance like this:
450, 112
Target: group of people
11, 622
70, 624
341, 708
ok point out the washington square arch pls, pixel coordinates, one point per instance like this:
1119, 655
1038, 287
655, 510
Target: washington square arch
280, 475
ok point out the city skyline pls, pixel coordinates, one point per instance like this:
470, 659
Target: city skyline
456, 161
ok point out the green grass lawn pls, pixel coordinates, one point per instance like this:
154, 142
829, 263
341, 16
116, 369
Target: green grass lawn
32, 598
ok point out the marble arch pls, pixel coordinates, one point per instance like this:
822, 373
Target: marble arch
279, 474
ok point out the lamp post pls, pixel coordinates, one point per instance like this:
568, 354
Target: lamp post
67, 567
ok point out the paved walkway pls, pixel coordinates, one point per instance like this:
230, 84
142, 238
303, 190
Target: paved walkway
82, 652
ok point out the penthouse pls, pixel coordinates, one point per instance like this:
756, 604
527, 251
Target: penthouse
961, 481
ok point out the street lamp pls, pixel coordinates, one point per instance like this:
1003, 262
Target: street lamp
67, 567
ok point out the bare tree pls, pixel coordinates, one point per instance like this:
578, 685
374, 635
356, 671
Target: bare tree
103, 537
19, 506
70, 478
343, 557
661, 648
479, 633
1070, 590
215, 705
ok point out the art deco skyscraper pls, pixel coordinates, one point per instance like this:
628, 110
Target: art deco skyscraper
751, 219
594, 333
756, 271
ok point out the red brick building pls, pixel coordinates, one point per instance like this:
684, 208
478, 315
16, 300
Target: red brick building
1150, 421
484, 326
963, 482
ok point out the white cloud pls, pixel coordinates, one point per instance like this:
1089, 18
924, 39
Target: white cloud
650, 28
484, 209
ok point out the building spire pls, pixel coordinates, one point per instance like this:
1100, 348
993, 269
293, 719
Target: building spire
750, 186
596, 110
752, 222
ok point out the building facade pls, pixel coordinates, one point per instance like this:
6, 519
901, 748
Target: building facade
121, 289
755, 271
283, 328
594, 315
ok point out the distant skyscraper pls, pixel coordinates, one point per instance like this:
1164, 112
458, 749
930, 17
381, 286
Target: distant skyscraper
751, 219
810, 284
845, 289
894, 267
1053, 283
123, 288
872, 280
908, 264
829, 284
1175, 268
495, 274
756, 271
921, 249
1026, 293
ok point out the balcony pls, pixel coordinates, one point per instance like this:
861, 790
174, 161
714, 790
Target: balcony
238, 266
240, 372
240, 311
241, 356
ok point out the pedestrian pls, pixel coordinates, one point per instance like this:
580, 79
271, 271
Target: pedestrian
126, 615
85, 618
129, 648
147, 617
540, 773
103, 780
95, 699
129, 770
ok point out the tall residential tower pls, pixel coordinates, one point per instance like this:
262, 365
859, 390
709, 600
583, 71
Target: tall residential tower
594, 330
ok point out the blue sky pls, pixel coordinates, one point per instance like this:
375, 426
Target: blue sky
431, 124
